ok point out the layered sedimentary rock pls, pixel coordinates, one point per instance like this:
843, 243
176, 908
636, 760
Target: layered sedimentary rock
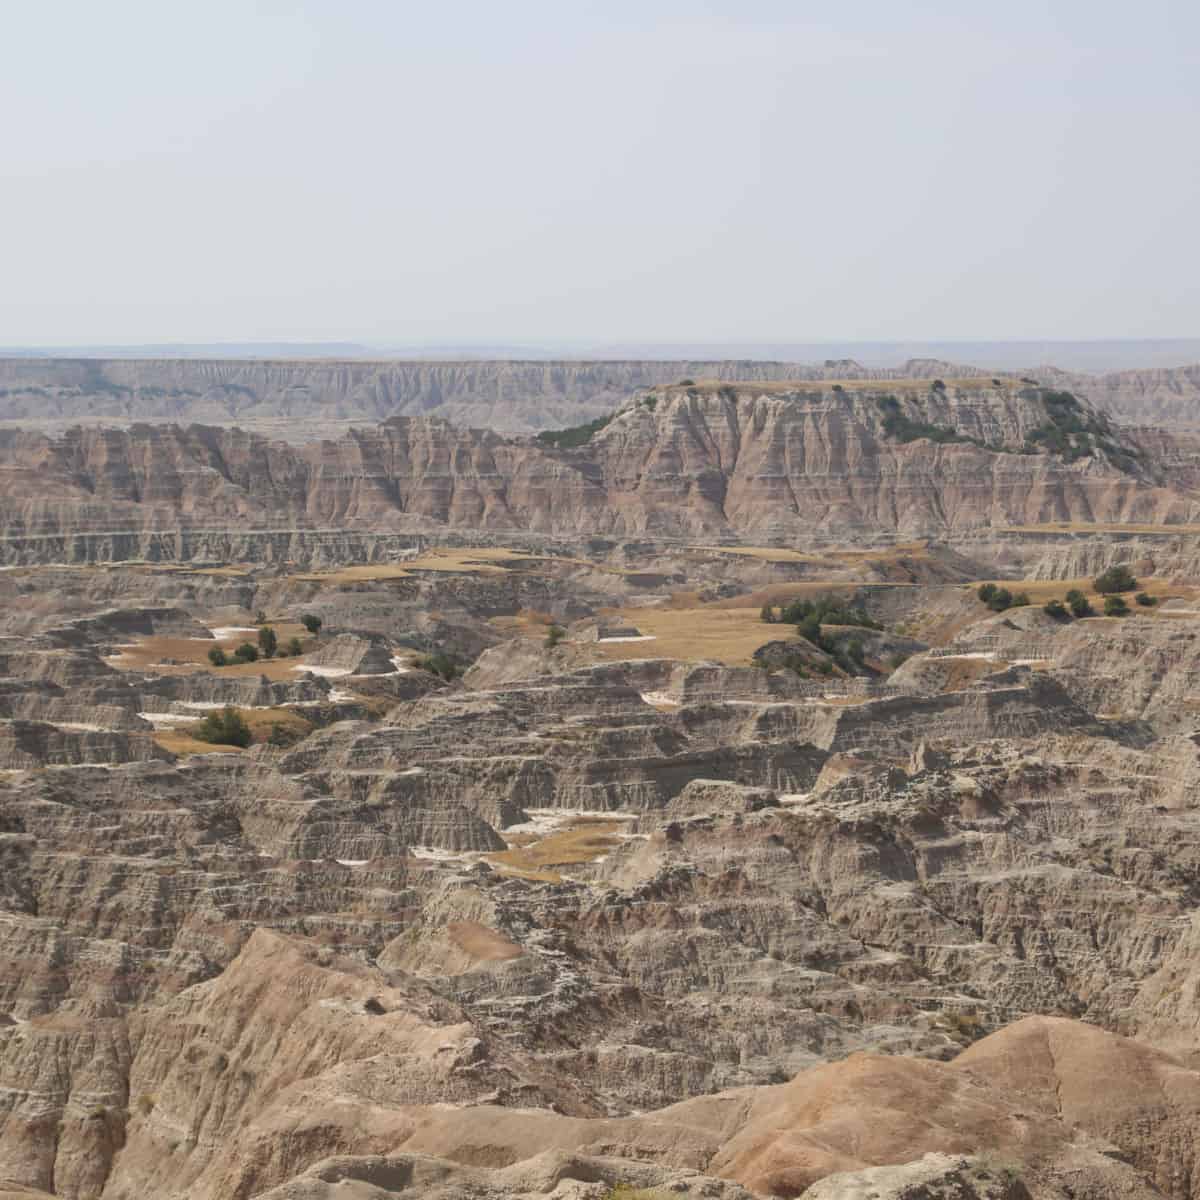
713, 463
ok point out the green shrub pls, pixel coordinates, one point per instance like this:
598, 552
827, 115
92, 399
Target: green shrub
1001, 599
577, 435
854, 651
1055, 609
1145, 600
227, 727
986, 591
554, 635
441, 664
312, 623
898, 660
1079, 604
268, 643
1114, 606
1115, 579
686, 383
294, 649
767, 614
246, 653
1021, 600
218, 657
260, 617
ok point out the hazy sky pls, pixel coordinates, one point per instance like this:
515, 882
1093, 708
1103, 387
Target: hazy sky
649, 170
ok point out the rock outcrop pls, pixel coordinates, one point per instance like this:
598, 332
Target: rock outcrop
713, 463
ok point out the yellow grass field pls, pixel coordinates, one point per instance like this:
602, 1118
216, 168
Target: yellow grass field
581, 841
727, 635
189, 654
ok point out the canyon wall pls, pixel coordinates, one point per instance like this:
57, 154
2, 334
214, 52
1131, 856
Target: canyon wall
748, 463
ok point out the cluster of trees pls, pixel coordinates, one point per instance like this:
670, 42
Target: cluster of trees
225, 727
268, 644
899, 425
809, 615
828, 610
1111, 584
577, 435
1000, 598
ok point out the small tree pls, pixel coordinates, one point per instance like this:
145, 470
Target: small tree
268, 643
1079, 604
854, 651
1055, 609
1146, 600
1114, 606
1021, 600
767, 614
312, 623
227, 727
260, 617
1116, 579
440, 663
218, 657
246, 653
554, 635
1001, 599
986, 592
809, 628
294, 649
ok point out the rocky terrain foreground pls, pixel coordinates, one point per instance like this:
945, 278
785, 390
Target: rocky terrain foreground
661, 810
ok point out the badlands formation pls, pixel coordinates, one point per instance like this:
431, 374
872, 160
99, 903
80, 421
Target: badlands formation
657, 807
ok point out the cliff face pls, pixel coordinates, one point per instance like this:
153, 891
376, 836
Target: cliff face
752, 463
1162, 396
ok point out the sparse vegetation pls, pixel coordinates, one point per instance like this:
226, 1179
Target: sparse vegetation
227, 727
1116, 579
828, 610
312, 623
1145, 600
260, 617
1078, 603
293, 649
897, 424
554, 635
897, 660
246, 652
268, 642
441, 664
218, 657
577, 435
1070, 431
1056, 609
1115, 606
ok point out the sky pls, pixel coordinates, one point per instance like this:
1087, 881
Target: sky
465, 171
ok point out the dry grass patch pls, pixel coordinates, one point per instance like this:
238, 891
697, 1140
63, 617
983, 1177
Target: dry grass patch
1085, 527
482, 943
179, 742
726, 635
582, 841
484, 560
181, 656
